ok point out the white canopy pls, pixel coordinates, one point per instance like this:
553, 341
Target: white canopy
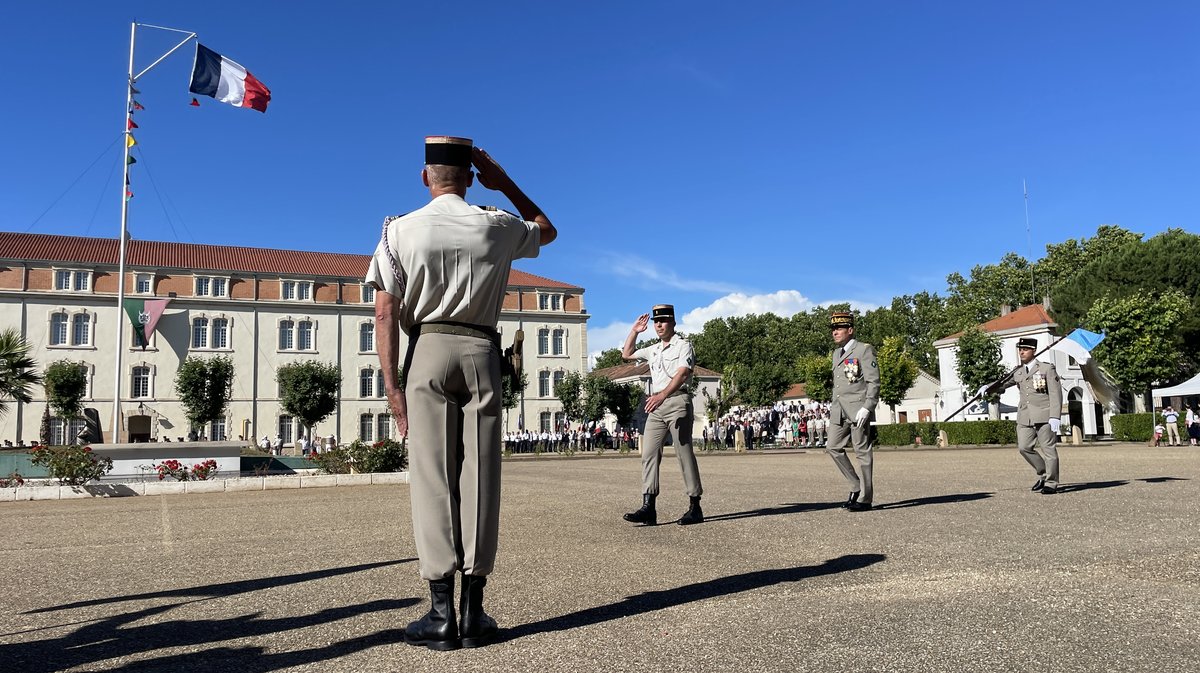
1189, 387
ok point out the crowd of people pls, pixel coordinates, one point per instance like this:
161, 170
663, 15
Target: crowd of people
783, 423
586, 437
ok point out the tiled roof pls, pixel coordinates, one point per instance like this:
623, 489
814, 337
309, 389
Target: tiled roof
797, 391
1034, 315
165, 255
632, 369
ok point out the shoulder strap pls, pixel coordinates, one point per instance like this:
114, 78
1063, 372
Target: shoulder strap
387, 246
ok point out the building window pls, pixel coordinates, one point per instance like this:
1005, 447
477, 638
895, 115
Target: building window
543, 384
366, 426
216, 430
72, 281
543, 341
305, 335
366, 337
220, 333
560, 420
368, 294
383, 427
379, 391
58, 329
136, 340
143, 283
200, 333
81, 329
558, 345
210, 287
544, 421
141, 383
555, 302
64, 432
366, 378
287, 335
558, 377
296, 290
549, 302
286, 424
543, 302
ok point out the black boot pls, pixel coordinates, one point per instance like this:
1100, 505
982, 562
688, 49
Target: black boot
477, 628
437, 630
694, 513
646, 514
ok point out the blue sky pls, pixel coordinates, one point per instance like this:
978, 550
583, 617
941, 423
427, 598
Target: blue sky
725, 157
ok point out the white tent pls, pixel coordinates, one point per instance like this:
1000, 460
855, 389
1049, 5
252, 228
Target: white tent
1189, 387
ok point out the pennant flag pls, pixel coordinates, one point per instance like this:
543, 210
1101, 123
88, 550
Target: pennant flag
128, 195
144, 314
137, 106
131, 161
217, 76
132, 125
1079, 345
130, 141
135, 91
195, 103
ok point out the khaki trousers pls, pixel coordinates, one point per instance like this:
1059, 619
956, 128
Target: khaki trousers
674, 416
842, 435
1173, 434
453, 394
1028, 436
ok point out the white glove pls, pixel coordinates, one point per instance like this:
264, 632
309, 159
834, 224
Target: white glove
983, 390
860, 419
1055, 424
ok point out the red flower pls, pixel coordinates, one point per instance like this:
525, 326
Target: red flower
87, 448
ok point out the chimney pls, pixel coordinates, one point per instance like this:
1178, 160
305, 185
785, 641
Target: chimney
1046, 302
1005, 309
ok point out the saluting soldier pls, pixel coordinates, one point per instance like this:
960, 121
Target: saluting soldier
855, 395
1039, 413
442, 273
669, 409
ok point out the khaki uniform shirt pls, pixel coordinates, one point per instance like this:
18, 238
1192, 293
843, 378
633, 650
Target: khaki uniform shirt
665, 360
450, 261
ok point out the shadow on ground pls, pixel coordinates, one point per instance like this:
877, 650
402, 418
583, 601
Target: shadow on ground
935, 500
790, 508
691, 593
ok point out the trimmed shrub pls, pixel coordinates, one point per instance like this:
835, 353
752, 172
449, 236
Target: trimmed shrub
928, 432
896, 434
981, 432
1133, 427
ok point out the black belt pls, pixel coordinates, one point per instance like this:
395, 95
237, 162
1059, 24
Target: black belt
457, 328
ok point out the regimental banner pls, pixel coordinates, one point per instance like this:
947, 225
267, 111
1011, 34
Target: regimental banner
144, 314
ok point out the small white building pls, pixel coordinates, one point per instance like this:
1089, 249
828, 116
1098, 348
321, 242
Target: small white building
1079, 402
921, 404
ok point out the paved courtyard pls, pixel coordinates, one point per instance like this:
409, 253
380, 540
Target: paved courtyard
961, 569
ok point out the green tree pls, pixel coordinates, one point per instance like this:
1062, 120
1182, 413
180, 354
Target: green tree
309, 390
18, 371
978, 299
818, 377
1141, 345
1064, 261
608, 358
979, 362
513, 389
66, 384
897, 371
622, 400
569, 392
204, 386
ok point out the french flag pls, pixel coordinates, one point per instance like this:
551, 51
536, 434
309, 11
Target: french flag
217, 76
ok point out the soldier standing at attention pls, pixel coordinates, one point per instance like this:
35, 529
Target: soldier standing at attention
441, 272
1039, 413
855, 394
669, 409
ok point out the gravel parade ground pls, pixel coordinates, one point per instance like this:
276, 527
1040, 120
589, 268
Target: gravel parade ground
959, 568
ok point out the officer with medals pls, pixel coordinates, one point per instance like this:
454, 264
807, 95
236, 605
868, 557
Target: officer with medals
1039, 413
669, 409
441, 274
855, 395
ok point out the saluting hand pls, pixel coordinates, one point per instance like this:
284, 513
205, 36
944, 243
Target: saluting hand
490, 174
641, 323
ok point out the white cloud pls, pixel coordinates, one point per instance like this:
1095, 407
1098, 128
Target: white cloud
783, 303
648, 275
603, 338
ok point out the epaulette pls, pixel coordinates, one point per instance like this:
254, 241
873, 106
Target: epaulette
494, 209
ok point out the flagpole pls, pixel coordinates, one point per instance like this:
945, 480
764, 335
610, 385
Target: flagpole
120, 343
120, 319
1006, 377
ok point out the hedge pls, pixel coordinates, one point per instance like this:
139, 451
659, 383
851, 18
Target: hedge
967, 432
1133, 427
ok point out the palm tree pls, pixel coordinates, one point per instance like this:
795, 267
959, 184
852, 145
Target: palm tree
18, 371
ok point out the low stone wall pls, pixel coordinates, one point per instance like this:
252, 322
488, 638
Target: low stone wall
135, 459
117, 490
